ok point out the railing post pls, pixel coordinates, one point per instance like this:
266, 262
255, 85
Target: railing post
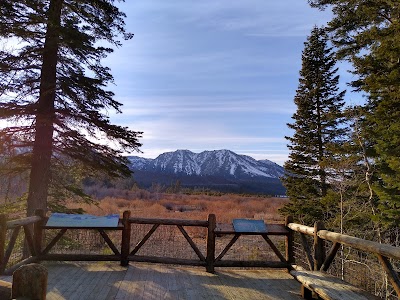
38, 231
3, 234
126, 238
212, 223
319, 246
289, 241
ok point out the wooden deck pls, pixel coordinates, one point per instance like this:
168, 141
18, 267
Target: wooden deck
107, 280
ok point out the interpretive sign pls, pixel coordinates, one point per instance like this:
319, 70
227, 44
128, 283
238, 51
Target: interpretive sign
245, 225
71, 220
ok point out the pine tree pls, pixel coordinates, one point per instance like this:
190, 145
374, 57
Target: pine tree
316, 126
367, 34
53, 83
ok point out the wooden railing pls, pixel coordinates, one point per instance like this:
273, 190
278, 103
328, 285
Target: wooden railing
11, 241
128, 254
319, 259
125, 244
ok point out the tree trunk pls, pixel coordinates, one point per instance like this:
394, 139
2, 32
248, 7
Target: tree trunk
45, 116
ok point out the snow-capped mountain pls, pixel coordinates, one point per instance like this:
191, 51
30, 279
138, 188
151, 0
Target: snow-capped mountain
219, 169
215, 163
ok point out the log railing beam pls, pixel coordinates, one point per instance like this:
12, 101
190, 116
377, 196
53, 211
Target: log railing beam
22, 222
361, 244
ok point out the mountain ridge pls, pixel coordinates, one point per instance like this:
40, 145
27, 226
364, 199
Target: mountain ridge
217, 169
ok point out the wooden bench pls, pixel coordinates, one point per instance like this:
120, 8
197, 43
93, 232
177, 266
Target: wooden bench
328, 287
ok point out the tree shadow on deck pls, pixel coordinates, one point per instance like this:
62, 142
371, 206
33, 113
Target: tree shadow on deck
151, 281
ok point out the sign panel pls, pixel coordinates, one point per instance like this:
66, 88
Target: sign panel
245, 225
71, 220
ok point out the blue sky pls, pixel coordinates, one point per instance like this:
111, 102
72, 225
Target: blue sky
212, 74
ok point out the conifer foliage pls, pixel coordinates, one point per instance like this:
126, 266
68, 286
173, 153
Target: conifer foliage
53, 83
316, 129
367, 34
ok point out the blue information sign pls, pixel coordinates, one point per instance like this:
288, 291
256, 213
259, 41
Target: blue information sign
245, 225
71, 220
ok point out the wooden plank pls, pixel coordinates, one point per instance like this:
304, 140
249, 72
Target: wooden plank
112, 284
134, 278
329, 287
78, 257
87, 285
145, 291
252, 264
98, 284
192, 244
103, 281
176, 222
129, 281
166, 260
73, 283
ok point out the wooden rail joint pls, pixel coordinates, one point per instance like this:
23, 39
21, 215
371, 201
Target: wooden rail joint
319, 261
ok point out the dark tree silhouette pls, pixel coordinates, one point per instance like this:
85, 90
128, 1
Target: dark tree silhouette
53, 83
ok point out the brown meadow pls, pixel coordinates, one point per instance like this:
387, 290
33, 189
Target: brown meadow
181, 206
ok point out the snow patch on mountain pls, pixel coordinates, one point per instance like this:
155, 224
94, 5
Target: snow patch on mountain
216, 163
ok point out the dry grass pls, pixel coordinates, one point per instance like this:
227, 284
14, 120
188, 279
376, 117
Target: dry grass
180, 206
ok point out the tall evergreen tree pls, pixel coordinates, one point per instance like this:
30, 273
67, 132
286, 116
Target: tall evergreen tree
316, 126
367, 34
53, 83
